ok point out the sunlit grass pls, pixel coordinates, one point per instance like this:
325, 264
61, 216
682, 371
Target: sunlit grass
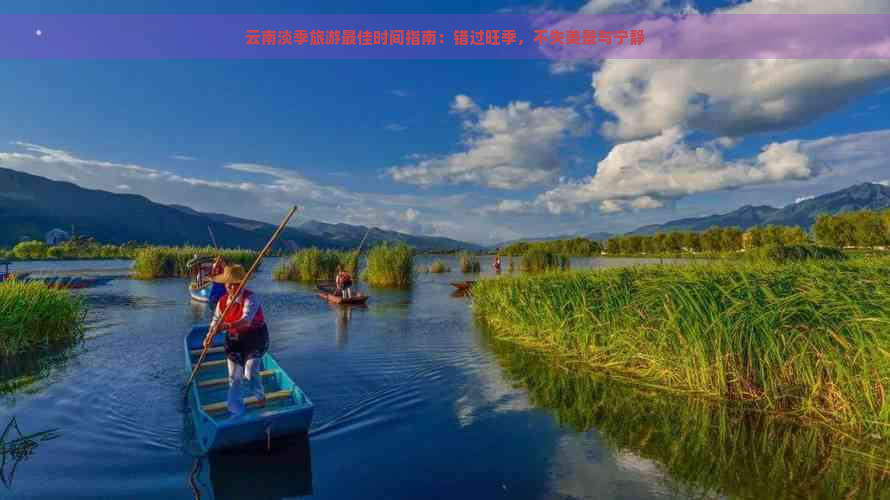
314, 264
33, 316
390, 266
810, 339
169, 262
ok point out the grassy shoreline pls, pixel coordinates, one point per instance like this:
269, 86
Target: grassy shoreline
807, 340
33, 317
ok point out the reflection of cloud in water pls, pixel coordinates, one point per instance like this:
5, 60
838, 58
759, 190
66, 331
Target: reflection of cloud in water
488, 393
583, 468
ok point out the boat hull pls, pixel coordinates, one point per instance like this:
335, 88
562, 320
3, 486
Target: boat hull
219, 431
336, 299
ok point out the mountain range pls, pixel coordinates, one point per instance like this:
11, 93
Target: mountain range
30, 206
865, 196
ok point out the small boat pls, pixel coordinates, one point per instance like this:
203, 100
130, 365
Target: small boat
329, 295
464, 286
288, 410
200, 293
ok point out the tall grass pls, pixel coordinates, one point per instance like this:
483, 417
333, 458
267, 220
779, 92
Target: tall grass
439, 267
540, 259
390, 266
469, 263
169, 262
808, 340
313, 264
707, 450
33, 316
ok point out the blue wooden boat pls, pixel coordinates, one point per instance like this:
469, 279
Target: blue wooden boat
288, 410
209, 293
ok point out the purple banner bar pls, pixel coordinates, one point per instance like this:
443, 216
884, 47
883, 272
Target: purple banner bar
496, 36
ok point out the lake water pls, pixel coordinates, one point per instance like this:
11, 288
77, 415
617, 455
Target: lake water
412, 400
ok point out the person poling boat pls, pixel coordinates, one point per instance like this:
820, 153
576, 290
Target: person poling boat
344, 283
497, 264
247, 338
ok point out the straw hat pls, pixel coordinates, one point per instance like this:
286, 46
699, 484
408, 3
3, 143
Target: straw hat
231, 274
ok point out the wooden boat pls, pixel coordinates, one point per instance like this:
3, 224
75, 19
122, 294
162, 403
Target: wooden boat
464, 286
200, 293
329, 295
288, 410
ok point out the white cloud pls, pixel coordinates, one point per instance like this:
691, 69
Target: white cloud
463, 103
885, 182
803, 198
734, 97
508, 148
268, 193
641, 174
183, 157
399, 93
395, 127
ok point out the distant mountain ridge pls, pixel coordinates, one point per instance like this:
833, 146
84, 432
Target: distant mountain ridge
864, 196
31, 205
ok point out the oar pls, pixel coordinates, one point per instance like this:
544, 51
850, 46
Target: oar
212, 238
209, 338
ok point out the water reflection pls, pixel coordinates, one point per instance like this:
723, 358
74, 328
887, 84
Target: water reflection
23, 373
343, 316
706, 450
16, 447
283, 472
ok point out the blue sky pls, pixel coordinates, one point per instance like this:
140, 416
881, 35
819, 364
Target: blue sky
478, 150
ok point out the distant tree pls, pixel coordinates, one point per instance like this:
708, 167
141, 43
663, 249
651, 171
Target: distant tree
673, 242
731, 239
613, 245
30, 250
712, 240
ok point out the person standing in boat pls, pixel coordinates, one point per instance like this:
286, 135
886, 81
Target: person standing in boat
344, 283
217, 290
497, 264
247, 338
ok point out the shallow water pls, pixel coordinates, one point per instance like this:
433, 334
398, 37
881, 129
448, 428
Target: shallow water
412, 400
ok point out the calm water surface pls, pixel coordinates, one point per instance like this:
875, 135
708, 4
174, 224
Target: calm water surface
412, 401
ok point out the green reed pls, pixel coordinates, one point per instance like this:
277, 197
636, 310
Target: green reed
808, 340
33, 316
706, 449
539, 259
439, 267
390, 266
314, 264
169, 262
469, 263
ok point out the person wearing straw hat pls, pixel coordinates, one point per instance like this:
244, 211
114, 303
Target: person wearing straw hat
247, 338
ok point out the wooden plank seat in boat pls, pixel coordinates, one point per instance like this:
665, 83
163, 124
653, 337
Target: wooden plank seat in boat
225, 380
249, 401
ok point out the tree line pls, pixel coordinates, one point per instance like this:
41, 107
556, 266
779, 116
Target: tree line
863, 229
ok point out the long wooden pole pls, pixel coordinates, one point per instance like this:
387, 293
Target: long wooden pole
212, 332
212, 238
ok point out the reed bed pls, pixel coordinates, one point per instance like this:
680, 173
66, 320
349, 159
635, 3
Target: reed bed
808, 340
539, 259
438, 267
708, 450
390, 266
469, 263
33, 316
170, 262
313, 264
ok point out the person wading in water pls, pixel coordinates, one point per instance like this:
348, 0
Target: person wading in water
247, 338
344, 283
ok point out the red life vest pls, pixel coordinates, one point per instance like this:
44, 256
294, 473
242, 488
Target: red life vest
237, 311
